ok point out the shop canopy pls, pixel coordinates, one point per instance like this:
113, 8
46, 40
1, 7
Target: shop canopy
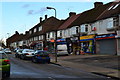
87, 38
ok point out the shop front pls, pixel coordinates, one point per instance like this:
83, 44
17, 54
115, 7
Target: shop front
106, 44
51, 45
37, 45
87, 44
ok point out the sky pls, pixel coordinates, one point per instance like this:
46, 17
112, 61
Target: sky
21, 15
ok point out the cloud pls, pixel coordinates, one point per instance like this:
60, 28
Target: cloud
26, 6
30, 12
40, 11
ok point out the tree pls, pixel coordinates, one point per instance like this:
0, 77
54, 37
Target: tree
2, 43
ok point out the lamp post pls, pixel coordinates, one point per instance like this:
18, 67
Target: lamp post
55, 35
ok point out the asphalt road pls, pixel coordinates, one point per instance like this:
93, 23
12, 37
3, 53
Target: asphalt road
26, 70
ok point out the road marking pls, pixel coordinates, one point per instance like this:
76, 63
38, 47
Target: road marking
51, 78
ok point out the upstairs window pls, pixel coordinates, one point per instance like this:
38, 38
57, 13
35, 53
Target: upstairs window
53, 34
115, 21
77, 30
48, 35
35, 30
86, 28
60, 33
30, 32
40, 28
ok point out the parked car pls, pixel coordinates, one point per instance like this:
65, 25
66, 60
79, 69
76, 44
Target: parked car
5, 64
41, 56
27, 53
18, 53
16, 49
8, 51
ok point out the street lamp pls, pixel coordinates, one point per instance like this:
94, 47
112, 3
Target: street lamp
55, 35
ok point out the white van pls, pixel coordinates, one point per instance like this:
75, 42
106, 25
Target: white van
62, 49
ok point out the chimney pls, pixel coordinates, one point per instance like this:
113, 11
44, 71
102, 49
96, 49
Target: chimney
26, 32
40, 19
16, 32
71, 14
45, 17
97, 4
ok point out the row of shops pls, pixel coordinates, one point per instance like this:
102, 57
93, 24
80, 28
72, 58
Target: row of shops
91, 44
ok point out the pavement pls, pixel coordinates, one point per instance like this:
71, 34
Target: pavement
105, 65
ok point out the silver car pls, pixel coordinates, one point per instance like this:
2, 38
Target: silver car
27, 53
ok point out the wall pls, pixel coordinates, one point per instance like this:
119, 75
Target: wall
102, 25
118, 43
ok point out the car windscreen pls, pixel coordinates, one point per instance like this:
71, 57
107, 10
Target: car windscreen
29, 50
20, 50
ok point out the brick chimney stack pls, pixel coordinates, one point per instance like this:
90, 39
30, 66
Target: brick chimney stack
40, 19
97, 4
71, 14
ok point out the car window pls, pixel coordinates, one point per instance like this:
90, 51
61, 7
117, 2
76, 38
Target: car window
40, 52
43, 52
20, 50
29, 51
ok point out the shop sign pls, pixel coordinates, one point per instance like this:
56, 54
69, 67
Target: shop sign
61, 40
106, 36
87, 37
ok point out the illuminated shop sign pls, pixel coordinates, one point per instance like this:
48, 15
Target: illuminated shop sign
87, 37
106, 36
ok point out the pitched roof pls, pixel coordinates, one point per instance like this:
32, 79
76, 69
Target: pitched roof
112, 10
51, 24
68, 22
91, 15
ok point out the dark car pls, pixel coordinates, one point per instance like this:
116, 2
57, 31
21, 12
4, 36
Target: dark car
41, 56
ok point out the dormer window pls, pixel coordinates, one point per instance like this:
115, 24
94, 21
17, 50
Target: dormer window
116, 6
110, 8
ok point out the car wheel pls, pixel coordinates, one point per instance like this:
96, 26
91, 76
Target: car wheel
48, 62
15, 56
22, 57
8, 74
34, 60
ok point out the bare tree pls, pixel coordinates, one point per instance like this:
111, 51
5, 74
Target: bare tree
2, 43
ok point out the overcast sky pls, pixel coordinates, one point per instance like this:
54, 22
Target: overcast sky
19, 15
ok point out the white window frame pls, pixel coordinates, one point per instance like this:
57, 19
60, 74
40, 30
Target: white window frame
40, 28
35, 30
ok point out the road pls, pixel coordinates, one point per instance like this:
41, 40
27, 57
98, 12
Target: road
25, 69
